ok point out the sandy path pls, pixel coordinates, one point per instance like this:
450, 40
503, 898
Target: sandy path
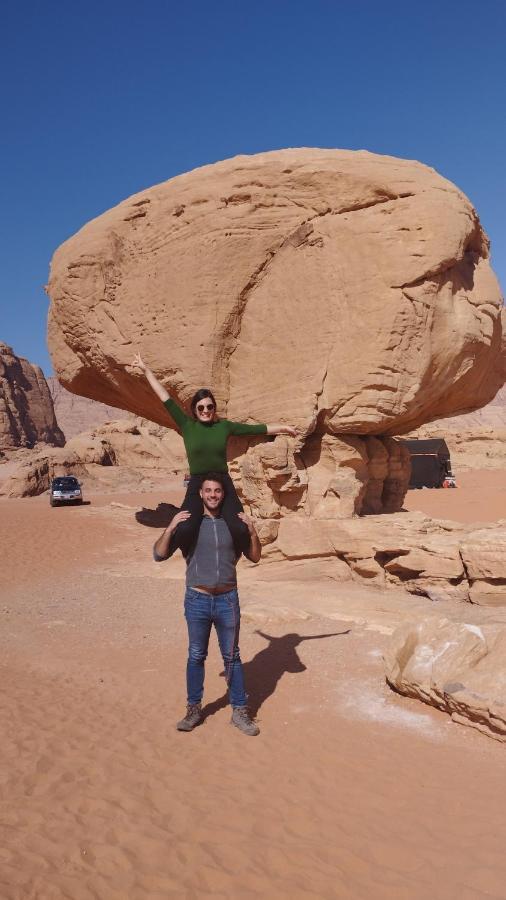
480, 497
349, 791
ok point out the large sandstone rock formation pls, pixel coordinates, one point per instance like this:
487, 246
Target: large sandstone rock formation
26, 408
346, 293
303, 284
457, 667
76, 415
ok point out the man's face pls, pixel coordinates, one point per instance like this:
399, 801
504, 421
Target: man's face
212, 495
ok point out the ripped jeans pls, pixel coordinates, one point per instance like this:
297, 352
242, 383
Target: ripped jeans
201, 612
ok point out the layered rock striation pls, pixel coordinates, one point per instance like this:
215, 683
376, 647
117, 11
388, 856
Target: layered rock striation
26, 408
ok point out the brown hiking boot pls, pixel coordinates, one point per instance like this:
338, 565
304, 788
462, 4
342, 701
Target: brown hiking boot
241, 719
192, 718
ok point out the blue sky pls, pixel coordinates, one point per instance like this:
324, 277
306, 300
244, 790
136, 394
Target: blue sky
100, 100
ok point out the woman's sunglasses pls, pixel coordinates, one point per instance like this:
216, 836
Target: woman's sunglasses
205, 407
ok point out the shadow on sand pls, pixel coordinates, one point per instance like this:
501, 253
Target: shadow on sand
263, 672
157, 518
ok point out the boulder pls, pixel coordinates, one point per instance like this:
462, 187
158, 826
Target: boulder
341, 291
457, 667
137, 443
26, 409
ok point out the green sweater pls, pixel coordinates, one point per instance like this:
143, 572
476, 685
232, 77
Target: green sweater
206, 445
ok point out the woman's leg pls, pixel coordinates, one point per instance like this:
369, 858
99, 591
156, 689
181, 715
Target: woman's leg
186, 533
231, 506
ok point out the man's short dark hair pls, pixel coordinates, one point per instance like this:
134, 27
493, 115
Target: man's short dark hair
214, 476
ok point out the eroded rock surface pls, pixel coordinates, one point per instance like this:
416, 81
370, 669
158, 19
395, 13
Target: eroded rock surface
331, 477
26, 408
437, 559
457, 667
76, 415
344, 292
132, 446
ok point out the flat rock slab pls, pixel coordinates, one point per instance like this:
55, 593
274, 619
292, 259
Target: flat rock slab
456, 666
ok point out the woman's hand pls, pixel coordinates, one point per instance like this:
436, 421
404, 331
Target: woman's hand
138, 363
282, 429
248, 521
181, 516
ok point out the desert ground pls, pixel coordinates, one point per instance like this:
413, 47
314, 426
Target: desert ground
350, 791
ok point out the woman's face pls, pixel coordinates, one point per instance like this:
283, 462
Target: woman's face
205, 410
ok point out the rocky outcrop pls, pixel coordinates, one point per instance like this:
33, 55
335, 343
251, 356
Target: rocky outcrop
26, 408
332, 477
436, 559
457, 667
32, 476
76, 415
344, 292
132, 446
139, 444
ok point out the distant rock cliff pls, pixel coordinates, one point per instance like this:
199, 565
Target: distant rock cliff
26, 408
77, 414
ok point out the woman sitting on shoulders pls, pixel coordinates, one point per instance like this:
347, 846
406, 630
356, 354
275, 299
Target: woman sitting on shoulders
205, 438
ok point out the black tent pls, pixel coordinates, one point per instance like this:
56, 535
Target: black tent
430, 462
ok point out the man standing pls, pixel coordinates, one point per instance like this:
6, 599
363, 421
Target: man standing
211, 599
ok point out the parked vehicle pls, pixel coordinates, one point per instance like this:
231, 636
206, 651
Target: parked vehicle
65, 489
430, 462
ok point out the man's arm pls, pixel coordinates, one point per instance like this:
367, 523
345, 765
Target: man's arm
255, 548
161, 548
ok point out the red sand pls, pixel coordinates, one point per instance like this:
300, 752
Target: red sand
350, 791
479, 497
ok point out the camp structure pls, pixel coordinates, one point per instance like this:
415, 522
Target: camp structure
430, 462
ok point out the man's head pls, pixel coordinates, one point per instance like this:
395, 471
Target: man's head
212, 491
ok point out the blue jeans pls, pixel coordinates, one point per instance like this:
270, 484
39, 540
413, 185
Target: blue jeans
201, 612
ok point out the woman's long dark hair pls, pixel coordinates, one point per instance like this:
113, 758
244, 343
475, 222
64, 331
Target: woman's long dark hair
201, 394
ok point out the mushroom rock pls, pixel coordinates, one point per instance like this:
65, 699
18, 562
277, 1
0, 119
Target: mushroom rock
346, 293
26, 409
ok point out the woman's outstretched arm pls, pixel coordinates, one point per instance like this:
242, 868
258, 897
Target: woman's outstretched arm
281, 429
158, 388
